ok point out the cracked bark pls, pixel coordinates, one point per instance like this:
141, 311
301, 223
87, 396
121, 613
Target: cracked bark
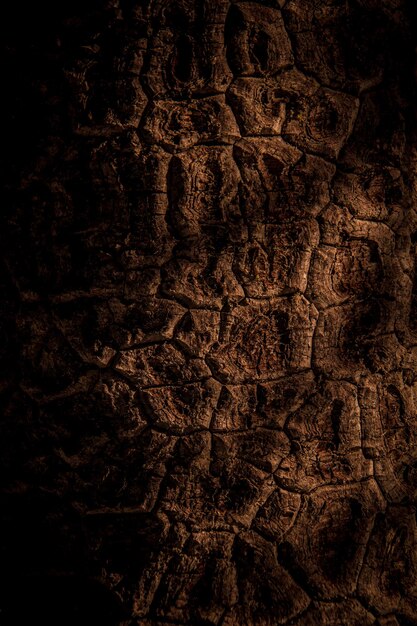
209, 314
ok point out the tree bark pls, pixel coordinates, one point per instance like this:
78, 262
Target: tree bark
209, 358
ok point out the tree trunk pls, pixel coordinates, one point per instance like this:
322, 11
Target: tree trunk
209, 356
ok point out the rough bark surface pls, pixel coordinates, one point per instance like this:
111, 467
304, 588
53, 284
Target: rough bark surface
209, 344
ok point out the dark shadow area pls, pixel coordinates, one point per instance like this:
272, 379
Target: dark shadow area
58, 601
36, 40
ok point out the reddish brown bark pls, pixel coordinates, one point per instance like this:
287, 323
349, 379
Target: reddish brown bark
209, 354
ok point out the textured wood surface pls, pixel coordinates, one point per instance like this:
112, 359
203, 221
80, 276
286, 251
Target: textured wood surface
209, 365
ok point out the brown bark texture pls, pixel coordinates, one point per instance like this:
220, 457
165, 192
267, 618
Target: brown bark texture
209, 314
